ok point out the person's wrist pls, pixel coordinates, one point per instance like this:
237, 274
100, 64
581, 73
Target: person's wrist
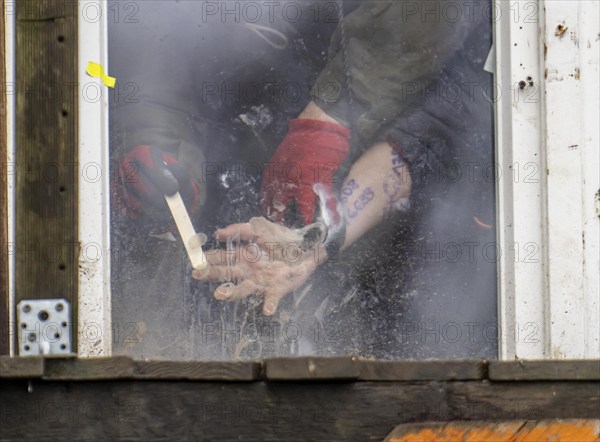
331, 216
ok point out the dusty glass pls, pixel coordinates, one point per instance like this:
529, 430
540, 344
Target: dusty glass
214, 85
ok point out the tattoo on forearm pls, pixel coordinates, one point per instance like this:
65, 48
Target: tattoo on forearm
398, 164
359, 205
393, 186
348, 190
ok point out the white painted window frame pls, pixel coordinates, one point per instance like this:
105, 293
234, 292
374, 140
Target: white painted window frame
549, 298
521, 312
95, 321
571, 115
547, 151
10, 91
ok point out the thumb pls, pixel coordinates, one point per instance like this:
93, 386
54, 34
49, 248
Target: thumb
271, 300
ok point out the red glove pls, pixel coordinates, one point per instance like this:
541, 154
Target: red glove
145, 179
311, 153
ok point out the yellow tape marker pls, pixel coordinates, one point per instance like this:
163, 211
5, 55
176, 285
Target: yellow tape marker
95, 70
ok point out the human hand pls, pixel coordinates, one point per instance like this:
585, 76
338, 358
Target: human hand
146, 175
266, 259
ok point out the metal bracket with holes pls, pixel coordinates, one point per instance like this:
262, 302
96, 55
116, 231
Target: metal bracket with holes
44, 327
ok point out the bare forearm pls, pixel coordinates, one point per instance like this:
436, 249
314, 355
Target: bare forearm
377, 184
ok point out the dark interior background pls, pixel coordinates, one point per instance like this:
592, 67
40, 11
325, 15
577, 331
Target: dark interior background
421, 285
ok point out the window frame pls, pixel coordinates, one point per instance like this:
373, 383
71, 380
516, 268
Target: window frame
9, 64
519, 205
534, 271
548, 306
94, 321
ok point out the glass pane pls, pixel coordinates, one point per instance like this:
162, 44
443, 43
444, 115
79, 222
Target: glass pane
380, 125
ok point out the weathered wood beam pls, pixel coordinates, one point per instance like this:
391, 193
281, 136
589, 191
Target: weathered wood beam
4, 242
272, 411
47, 250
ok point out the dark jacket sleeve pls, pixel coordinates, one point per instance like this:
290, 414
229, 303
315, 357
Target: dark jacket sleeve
383, 54
155, 67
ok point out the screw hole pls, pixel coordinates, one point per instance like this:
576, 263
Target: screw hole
62, 189
63, 324
61, 38
64, 113
61, 267
56, 336
23, 325
43, 315
63, 346
26, 348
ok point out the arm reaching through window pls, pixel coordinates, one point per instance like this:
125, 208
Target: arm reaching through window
273, 260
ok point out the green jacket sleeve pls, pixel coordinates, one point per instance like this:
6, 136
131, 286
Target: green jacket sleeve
383, 55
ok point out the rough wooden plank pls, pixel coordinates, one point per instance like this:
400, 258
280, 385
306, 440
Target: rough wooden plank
569, 430
312, 368
271, 411
561, 430
4, 242
47, 93
119, 367
202, 371
11, 368
545, 370
422, 370
456, 431
494, 401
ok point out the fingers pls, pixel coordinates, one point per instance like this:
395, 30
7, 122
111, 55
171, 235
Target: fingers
268, 231
232, 256
229, 291
257, 271
285, 283
216, 272
271, 301
233, 292
244, 231
272, 280
261, 231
